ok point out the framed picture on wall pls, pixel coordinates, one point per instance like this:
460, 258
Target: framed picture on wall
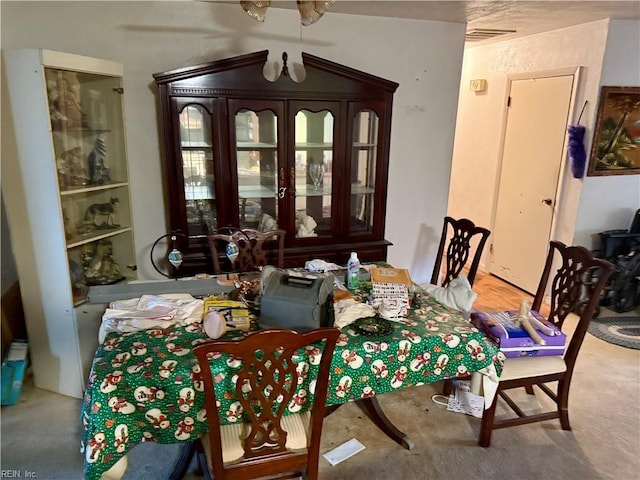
616, 140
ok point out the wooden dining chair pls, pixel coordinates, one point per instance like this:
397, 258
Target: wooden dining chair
268, 442
456, 237
575, 288
252, 246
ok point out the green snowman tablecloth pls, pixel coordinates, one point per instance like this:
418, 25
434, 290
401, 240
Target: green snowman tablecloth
145, 386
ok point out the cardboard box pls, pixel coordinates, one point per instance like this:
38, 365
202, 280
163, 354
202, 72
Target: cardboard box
391, 275
391, 286
513, 340
13, 370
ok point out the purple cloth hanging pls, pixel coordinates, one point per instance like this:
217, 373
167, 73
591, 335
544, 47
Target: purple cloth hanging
576, 150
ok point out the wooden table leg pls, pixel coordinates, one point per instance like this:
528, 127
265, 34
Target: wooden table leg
372, 408
329, 409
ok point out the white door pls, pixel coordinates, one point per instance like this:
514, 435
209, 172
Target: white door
533, 150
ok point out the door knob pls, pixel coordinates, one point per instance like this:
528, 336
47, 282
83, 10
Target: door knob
547, 201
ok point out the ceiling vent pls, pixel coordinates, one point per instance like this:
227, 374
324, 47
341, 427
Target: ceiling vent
477, 34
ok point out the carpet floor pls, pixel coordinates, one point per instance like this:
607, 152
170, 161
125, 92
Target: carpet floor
623, 331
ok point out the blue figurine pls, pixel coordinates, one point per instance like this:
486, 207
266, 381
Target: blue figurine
98, 171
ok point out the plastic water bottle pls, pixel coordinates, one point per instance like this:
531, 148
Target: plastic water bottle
353, 268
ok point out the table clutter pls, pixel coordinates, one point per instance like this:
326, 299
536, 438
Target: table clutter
222, 314
514, 340
457, 294
296, 302
145, 383
390, 291
373, 326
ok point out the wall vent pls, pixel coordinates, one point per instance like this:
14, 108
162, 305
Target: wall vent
477, 34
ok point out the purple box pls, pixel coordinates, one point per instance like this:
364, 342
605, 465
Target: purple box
513, 340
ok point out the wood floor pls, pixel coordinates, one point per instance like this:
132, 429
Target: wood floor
496, 294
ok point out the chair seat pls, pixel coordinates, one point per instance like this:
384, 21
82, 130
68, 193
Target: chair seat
296, 426
524, 367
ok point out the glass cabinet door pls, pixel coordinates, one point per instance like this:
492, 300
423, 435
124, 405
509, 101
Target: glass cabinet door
363, 171
312, 174
256, 149
87, 132
196, 147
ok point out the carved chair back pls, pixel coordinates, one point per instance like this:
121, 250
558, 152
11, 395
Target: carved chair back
251, 249
271, 362
456, 237
576, 286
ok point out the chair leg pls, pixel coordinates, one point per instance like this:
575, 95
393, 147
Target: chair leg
311, 473
447, 387
563, 403
486, 426
201, 461
529, 389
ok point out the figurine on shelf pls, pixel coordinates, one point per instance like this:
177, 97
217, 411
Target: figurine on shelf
306, 224
316, 172
102, 269
98, 171
103, 215
267, 223
64, 102
71, 171
86, 254
78, 281
68, 229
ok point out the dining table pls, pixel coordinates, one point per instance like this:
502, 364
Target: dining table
145, 385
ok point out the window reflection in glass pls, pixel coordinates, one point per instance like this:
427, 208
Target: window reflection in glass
195, 126
313, 172
363, 173
197, 169
257, 167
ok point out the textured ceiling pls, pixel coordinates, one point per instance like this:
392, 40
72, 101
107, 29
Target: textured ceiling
525, 17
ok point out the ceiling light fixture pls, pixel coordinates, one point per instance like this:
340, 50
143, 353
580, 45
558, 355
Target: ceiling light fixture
310, 11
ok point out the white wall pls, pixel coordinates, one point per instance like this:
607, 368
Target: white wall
147, 37
609, 202
587, 205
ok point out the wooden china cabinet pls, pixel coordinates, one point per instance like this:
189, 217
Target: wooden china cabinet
308, 157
